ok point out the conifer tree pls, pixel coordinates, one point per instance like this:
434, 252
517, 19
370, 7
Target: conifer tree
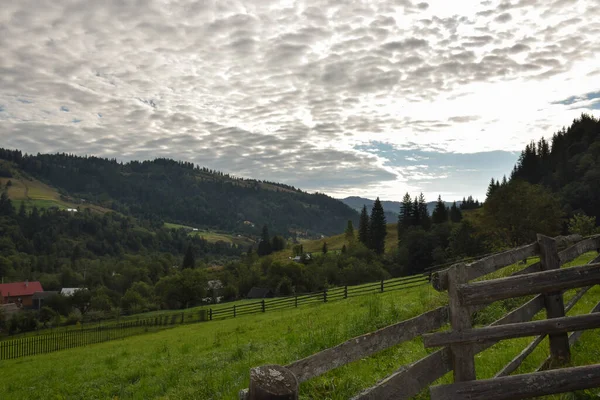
349, 234
416, 215
189, 260
440, 213
490, 190
363, 227
264, 247
455, 213
406, 210
425, 220
324, 248
378, 228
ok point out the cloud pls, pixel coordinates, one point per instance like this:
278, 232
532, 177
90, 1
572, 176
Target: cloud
290, 91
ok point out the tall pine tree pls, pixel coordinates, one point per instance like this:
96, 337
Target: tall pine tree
378, 228
349, 233
406, 210
424, 219
440, 213
363, 227
264, 247
455, 213
189, 260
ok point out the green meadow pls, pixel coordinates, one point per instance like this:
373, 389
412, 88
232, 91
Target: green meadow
211, 360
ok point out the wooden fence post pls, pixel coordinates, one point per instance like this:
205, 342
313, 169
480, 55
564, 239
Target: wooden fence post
210, 314
325, 296
263, 305
296, 300
463, 362
346, 291
555, 306
182, 317
272, 382
234, 311
382, 286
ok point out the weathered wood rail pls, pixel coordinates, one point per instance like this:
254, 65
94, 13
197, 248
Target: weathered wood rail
544, 278
550, 281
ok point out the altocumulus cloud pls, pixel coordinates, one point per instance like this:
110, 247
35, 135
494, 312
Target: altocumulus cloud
335, 96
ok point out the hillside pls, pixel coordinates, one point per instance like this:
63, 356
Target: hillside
568, 165
336, 242
180, 192
32, 192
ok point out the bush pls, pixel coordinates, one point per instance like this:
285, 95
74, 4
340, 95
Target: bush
73, 318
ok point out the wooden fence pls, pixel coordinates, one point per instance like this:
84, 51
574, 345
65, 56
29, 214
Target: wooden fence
323, 296
46, 342
463, 342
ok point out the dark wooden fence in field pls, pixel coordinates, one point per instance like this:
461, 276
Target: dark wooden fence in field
464, 341
323, 296
46, 342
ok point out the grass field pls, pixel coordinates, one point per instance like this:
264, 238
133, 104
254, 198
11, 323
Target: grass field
213, 237
212, 360
336, 242
36, 193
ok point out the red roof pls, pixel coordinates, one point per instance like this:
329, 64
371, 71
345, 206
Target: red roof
20, 288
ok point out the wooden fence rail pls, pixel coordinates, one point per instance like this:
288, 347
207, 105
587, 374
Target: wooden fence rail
544, 278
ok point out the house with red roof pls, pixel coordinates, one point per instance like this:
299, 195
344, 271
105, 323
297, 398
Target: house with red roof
19, 292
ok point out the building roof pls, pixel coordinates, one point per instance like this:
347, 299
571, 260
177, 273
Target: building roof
44, 295
259, 293
17, 289
70, 291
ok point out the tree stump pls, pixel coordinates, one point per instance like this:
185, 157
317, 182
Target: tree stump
272, 382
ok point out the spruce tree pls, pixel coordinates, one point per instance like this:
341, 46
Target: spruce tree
455, 213
324, 248
424, 219
416, 216
440, 213
378, 229
189, 260
349, 234
264, 247
363, 227
491, 189
406, 210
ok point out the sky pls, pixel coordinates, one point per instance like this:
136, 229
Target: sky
367, 98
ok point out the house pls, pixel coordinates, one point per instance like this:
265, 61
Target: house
39, 298
70, 291
20, 293
260, 293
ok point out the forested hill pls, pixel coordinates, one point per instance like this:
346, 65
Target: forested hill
180, 192
568, 165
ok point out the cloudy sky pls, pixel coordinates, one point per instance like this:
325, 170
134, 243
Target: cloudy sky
371, 98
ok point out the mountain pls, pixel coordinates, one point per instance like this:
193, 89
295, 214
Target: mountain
165, 190
391, 208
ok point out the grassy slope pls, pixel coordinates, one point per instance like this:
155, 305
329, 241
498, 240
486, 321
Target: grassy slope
213, 237
37, 193
212, 360
337, 242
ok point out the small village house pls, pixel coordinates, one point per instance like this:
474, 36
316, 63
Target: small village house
39, 298
260, 293
20, 293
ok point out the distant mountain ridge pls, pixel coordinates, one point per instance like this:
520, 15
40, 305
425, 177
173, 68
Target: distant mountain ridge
391, 208
165, 190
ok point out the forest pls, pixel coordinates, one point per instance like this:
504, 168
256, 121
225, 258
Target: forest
165, 190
